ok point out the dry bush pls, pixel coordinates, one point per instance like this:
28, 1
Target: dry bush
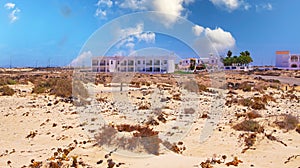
142, 131
106, 136
202, 87
173, 147
260, 87
289, 122
193, 86
249, 140
256, 103
235, 162
189, 111
61, 88
143, 136
267, 98
298, 128
253, 115
55, 86
245, 102
245, 86
176, 97
7, 91
249, 125
7, 81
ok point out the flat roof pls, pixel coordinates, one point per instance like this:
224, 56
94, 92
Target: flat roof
282, 52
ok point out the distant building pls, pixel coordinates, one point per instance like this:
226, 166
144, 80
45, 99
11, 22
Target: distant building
142, 64
239, 67
210, 63
286, 60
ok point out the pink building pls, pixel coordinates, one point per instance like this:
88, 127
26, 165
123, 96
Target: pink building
286, 60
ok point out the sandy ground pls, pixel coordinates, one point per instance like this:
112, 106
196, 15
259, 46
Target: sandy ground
35, 126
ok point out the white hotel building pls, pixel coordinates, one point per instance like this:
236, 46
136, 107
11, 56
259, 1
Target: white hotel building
286, 60
142, 64
212, 63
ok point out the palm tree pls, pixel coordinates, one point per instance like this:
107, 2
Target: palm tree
229, 54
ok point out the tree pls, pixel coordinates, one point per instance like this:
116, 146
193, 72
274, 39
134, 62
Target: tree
243, 59
229, 54
192, 64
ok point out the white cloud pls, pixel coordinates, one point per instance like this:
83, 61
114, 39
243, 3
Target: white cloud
231, 5
14, 11
12, 16
215, 41
133, 35
83, 59
267, 6
148, 37
220, 39
9, 5
102, 6
134, 4
100, 12
107, 3
130, 45
174, 8
197, 30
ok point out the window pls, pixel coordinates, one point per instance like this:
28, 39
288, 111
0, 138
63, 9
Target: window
166, 61
138, 62
294, 66
111, 62
294, 58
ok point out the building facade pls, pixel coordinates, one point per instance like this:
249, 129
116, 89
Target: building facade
142, 64
286, 60
209, 63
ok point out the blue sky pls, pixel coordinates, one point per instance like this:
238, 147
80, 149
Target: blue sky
57, 32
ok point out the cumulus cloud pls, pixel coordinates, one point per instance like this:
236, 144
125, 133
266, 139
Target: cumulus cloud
107, 3
14, 11
102, 5
133, 35
101, 13
174, 8
216, 41
9, 5
197, 30
148, 37
220, 39
135, 4
12, 16
131, 30
231, 5
82, 60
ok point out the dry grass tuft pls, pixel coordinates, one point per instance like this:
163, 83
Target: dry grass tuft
288, 122
7, 91
249, 125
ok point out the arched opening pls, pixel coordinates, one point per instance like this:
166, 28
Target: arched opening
294, 58
294, 66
